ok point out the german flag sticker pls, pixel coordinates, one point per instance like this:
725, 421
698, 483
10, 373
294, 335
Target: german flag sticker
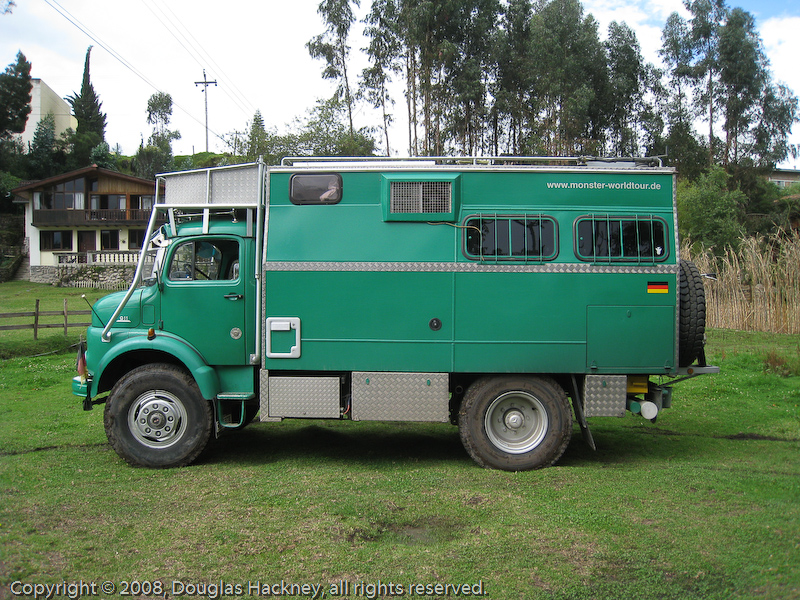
657, 287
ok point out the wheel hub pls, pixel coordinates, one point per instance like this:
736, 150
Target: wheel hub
156, 419
516, 422
514, 419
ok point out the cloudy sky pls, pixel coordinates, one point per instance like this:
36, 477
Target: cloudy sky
256, 53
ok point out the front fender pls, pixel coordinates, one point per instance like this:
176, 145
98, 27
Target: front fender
135, 344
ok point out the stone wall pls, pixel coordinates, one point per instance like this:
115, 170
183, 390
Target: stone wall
110, 277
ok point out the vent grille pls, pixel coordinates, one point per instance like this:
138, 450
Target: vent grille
419, 197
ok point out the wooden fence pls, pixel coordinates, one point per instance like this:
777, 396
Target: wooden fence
37, 315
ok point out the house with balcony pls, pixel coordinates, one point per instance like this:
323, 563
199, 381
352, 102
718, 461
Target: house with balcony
88, 217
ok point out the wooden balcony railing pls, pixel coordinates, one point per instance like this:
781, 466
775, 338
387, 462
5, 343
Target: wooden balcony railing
98, 257
90, 216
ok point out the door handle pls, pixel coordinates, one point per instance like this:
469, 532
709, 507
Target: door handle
234, 296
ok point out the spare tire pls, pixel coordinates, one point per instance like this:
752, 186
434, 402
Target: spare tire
692, 311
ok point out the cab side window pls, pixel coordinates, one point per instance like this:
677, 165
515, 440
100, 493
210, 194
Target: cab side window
207, 260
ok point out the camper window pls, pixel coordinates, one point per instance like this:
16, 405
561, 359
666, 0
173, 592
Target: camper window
315, 188
510, 238
606, 238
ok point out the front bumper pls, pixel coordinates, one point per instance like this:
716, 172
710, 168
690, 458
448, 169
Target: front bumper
80, 388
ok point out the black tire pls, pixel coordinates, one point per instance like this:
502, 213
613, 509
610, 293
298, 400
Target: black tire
515, 423
155, 417
692, 307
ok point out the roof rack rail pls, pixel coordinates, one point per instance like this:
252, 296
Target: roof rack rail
311, 161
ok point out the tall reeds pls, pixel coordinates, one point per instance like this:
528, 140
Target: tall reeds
756, 287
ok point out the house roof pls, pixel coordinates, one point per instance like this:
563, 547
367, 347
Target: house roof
93, 169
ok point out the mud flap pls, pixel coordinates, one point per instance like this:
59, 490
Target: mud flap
577, 406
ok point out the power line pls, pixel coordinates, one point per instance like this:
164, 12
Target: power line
196, 50
95, 38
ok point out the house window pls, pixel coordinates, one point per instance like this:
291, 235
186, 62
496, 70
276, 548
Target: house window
606, 238
141, 202
135, 239
510, 238
55, 240
66, 195
108, 201
109, 239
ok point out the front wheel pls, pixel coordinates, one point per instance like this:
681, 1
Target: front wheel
515, 423
156, 417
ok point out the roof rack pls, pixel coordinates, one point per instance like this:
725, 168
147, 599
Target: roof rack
385, 161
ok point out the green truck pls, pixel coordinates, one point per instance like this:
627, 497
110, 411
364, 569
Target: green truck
498, 294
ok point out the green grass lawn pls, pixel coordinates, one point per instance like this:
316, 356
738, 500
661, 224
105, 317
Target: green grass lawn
703, 504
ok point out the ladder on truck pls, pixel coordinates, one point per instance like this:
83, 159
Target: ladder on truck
202, 193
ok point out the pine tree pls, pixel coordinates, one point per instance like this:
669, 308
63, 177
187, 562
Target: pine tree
257, 140
91, 121
15, 97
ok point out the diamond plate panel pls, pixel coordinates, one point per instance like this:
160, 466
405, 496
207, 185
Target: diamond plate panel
304, 397
235, 186
605, 395
227, 185
263, 382
401, 397
470, 267
188, 188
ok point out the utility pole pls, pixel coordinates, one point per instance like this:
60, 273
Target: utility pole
205, 83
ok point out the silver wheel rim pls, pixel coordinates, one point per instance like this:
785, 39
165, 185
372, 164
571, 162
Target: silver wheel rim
157, 419
516, 422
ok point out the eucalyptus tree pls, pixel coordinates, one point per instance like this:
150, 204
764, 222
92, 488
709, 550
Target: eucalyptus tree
425, 27
465, 96
385, 54
157, 157
332, 46
571, 75
512, 84
676, 53
755, 111
708, 16
625, 97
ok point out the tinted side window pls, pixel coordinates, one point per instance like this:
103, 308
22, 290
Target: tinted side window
621, 239
315, 188
510, 238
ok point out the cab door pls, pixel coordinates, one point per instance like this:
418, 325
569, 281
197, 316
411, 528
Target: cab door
203, 298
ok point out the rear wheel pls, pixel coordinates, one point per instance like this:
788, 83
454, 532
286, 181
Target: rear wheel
156, 417
515, 423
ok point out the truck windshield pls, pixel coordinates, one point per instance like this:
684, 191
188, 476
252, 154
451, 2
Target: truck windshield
154, 259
